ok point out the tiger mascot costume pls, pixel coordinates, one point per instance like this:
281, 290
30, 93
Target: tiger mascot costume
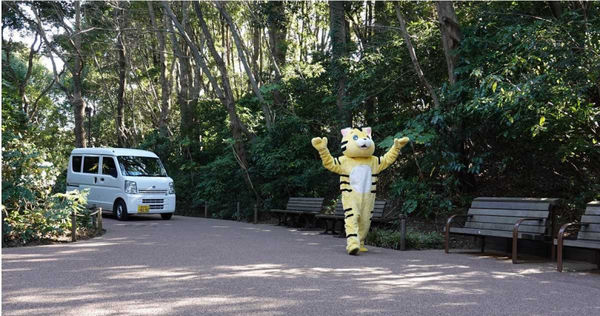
358, 170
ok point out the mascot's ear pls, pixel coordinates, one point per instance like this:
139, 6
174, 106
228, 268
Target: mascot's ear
367, 130
346, 131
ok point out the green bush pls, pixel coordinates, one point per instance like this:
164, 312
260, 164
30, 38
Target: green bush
46, 220
414, 239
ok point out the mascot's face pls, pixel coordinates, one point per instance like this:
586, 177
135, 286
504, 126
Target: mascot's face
357, 142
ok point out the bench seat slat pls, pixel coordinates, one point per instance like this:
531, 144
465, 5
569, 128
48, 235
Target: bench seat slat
516, 199
506, 227
580, 243
511, 205
304, 205
503, 220
593, 211
590, 219
508, 212
588, 235
494, 233
305, 199
286, 211
307, 209
592, 228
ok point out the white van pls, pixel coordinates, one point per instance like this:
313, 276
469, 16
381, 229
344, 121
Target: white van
124, 181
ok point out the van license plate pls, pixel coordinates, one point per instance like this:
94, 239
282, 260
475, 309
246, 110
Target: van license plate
143, 208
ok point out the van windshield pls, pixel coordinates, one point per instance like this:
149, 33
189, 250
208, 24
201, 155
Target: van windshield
136, 166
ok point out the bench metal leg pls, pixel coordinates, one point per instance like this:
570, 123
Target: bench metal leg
514, 250
327, 230
482, 243
447, 239
559, 256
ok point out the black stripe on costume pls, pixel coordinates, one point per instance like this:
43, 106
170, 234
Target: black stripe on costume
379, 160
350, 215
374, 183
348, 209
344, 143
343, 148
374, 191
348, 190
375, 175
344, 182
351, 235
344, 175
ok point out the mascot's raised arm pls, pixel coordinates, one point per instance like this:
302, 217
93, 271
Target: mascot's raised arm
358, 170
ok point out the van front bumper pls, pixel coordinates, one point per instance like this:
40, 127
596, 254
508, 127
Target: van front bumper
150, 203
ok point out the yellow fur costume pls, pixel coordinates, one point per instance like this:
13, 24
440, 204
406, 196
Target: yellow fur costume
358, 170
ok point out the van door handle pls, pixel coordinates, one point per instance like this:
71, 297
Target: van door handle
95, 179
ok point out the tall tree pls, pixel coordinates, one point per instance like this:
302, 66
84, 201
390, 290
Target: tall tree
413, 56
164, 82
277, 25
242, 53
337, 24
451, 35
225, 95
69, 51
122, 21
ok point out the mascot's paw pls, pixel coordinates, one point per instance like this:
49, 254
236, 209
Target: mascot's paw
363, 249
401, 142
319, 143
353, 246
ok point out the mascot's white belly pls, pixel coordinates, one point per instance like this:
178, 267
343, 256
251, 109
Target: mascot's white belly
360, 179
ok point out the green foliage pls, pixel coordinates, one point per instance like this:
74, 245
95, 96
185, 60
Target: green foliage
521, 120
414, 239
46, 219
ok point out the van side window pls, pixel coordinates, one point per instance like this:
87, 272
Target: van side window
76, 164
90, 164
109, 167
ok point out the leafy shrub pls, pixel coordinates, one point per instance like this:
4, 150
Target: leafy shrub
46, 220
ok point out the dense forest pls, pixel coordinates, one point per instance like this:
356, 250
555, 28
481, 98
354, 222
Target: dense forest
498, 98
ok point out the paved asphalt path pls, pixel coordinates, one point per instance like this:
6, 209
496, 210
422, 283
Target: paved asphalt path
196, 266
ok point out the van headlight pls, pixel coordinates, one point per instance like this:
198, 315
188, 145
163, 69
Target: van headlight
130, 187
171, 188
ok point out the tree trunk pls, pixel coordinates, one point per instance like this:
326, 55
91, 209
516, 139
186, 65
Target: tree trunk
277, 27
256, 52
76, 98
164, 82
413, 56
120, 121
337, 25
451, 35
556, 8
242, 56
226, 97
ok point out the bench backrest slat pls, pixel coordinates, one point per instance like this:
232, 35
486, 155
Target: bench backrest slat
592, 218
377, 209
502, 213
305, 204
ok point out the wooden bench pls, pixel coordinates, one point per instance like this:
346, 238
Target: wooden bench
299, 207
588, 236
516, 218
331, 220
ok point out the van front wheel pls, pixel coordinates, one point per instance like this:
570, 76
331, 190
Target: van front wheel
166, 216
120, 210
